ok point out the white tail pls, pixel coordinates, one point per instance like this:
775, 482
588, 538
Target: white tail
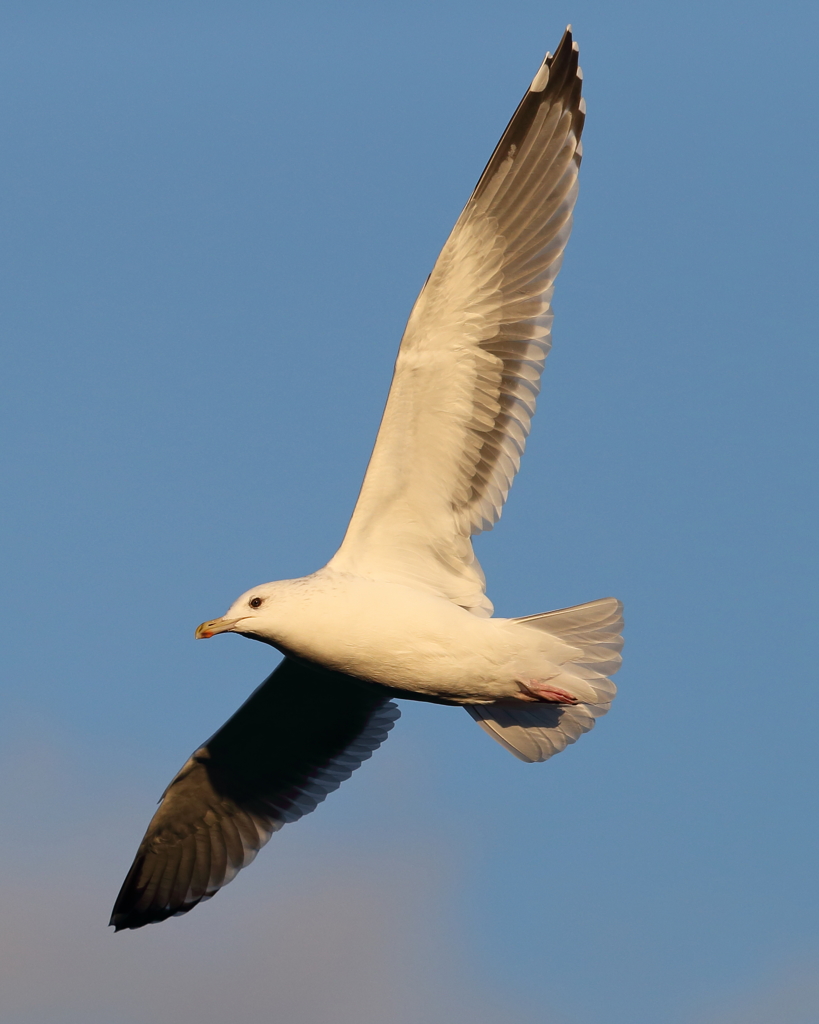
534, 732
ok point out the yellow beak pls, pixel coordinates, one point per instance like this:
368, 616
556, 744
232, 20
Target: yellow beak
208, 629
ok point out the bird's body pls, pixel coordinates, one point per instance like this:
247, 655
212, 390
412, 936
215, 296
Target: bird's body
391, 634
401, 609
409, 639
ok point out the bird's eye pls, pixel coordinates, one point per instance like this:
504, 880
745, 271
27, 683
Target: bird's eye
255, 602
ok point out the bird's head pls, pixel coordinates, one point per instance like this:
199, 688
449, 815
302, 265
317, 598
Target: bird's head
250, 615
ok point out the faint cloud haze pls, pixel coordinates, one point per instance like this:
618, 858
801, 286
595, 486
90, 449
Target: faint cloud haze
353, 941
788, 996
351, 950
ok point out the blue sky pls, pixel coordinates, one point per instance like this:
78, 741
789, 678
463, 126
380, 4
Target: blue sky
215, 218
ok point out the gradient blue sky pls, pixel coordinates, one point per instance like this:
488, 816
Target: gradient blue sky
215, 218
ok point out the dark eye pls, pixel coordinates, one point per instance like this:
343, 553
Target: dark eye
255, 602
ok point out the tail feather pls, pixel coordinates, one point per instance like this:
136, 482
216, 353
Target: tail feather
593, 630
534, 732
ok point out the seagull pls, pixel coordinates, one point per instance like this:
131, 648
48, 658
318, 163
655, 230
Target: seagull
401, 609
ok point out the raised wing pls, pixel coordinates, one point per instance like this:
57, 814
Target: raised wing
296, 739
468, 369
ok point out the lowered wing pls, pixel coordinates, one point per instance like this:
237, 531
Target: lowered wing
296, 739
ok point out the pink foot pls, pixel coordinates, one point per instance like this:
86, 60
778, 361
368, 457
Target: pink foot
533, 689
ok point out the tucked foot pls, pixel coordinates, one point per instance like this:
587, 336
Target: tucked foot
534, 689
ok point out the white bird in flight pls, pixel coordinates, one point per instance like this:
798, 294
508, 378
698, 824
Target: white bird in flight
401, 609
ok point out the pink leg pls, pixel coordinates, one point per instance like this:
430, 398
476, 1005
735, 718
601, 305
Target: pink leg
534, 689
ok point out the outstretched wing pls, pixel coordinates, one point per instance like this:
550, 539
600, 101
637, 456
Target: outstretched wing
296, 739
468, 369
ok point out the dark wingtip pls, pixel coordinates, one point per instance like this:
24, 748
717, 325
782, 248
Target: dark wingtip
559, 74
126, 918
130, 911
566, 43
138, 919
125, 913
121, 924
